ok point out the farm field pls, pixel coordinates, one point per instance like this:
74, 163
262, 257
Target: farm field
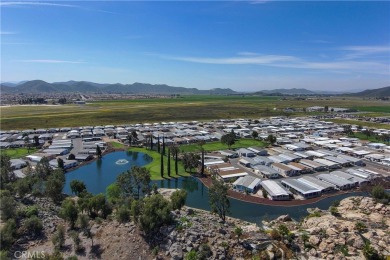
168, 109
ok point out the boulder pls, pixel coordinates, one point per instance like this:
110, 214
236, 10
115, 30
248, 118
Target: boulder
314, 240
284, 218
176, 251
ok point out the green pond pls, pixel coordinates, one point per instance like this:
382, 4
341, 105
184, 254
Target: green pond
101, 173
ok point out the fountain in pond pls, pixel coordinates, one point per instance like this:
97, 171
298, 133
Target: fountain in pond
121, 162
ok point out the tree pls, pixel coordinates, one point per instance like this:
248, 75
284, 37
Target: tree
255, 134
175, 150
54, 185
26, 140
190, 161
142, 179
326, 109
202, 163
132, 182
347, 130
98, 151
23, 186
123, 214
158, 144
77, 187
36, 141
60, 163
219, 202
69, 212
378, 192
5, 169
33, 225
238, 232
156, 212
151, 142
76, 240
271, 139
113, 193
162, 165
178, 199
163, 146
169, 162
135, 210
7, 205
8, 234
43, 169
228, 139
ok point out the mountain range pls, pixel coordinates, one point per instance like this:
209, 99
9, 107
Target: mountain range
40, 86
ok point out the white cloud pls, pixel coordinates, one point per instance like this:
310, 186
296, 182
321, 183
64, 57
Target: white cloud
35, 3
243, 59
257, 2
21, 3
356, 52
285, 61
51, 61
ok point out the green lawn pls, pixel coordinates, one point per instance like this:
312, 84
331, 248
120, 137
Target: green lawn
154, 166
215, 146
117, 145
18, 152
382, 109
362, 136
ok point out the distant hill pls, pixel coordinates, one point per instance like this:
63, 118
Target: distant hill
40, 86
378, 92
292, 91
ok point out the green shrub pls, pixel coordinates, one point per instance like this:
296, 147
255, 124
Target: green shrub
178, 199
192, 255
123, 214
33, 225
8, 234
31, 211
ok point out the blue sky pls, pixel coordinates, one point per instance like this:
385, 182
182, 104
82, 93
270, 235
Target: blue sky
243, 45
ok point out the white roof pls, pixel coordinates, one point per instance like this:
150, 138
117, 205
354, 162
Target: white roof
274, 188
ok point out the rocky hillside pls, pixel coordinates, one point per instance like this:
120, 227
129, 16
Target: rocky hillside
357, 226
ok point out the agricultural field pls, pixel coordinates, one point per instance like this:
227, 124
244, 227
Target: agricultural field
200, 107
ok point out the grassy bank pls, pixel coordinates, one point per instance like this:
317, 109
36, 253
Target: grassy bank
154, 167
17, 152
216, 146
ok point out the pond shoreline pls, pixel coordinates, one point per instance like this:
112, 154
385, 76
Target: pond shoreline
84, 163
289, 203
